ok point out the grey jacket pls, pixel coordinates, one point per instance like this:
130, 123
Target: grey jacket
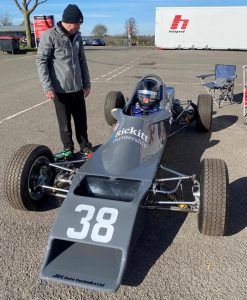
61, 64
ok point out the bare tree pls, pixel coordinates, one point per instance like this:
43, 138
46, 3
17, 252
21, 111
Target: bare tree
26, 11
99, 30
131, 27
5, 20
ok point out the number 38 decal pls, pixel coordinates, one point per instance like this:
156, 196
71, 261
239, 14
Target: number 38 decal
102, 223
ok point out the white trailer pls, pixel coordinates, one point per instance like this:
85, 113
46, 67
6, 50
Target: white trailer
201, 27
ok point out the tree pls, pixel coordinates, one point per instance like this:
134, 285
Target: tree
99, 30
5, 20
131, 27
26, 11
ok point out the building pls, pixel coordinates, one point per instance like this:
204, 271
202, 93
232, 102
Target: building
14, 30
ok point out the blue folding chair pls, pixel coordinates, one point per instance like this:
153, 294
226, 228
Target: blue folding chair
223, 85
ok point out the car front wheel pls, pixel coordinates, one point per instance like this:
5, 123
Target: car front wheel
26, 172
114, 99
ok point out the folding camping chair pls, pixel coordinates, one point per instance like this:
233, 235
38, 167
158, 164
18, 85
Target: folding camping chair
223, 85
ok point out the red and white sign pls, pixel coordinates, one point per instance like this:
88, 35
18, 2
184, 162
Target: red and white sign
129, 29
41, 24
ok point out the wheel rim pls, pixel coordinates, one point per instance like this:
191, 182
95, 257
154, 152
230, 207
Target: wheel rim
40, 174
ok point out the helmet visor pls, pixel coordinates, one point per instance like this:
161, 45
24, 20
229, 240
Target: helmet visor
147, 94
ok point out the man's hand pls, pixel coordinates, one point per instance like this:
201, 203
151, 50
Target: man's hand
50, 95
86, 92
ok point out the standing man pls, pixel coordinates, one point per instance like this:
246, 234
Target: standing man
64, 76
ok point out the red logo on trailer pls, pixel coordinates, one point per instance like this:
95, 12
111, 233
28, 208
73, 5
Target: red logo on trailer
179, 21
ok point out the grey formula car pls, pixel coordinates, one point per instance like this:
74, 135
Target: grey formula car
106, 196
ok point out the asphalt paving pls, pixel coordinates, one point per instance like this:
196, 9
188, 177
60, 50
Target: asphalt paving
171, 260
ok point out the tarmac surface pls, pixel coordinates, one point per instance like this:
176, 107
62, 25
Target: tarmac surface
172, 260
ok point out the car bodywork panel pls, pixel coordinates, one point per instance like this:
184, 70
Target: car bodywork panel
93, 232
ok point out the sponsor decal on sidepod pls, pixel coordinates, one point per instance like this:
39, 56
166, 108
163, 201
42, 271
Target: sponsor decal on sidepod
132, 134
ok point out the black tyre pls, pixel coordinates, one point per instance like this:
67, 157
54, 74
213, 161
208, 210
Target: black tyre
204, 108
28, 168
114, 99
214, 182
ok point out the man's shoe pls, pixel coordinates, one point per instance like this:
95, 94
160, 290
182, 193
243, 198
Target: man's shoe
64, 155
87, 151
88, 145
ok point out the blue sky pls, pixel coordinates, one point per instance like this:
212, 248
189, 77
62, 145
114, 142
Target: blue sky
112, 13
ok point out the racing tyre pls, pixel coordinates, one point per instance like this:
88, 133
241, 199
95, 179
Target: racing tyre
204, 108
26, 170
114, 99
214, 186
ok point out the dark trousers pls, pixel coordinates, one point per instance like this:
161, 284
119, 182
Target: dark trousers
67, 105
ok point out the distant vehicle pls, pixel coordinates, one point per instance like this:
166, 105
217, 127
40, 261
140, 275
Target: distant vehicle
86, 42
98, 42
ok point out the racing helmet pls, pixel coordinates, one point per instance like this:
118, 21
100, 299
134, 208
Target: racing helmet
148, 93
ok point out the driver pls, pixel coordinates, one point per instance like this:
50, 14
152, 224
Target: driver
148, 95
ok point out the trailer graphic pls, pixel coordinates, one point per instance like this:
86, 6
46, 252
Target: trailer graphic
201, 27
178, 19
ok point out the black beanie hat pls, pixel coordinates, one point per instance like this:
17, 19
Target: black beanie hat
72, 14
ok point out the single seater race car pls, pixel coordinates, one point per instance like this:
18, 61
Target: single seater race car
106, 196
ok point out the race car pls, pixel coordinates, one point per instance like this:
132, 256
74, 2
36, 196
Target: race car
105, 197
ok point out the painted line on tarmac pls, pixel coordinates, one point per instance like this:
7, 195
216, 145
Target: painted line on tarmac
113, 76
126, 66
207, 90
129, 82
113, 71
167, 83
22, 112
8, 59
191, 65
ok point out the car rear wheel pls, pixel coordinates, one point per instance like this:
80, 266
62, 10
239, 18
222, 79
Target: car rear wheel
214, 186
114, 99
26, 171
204, 109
